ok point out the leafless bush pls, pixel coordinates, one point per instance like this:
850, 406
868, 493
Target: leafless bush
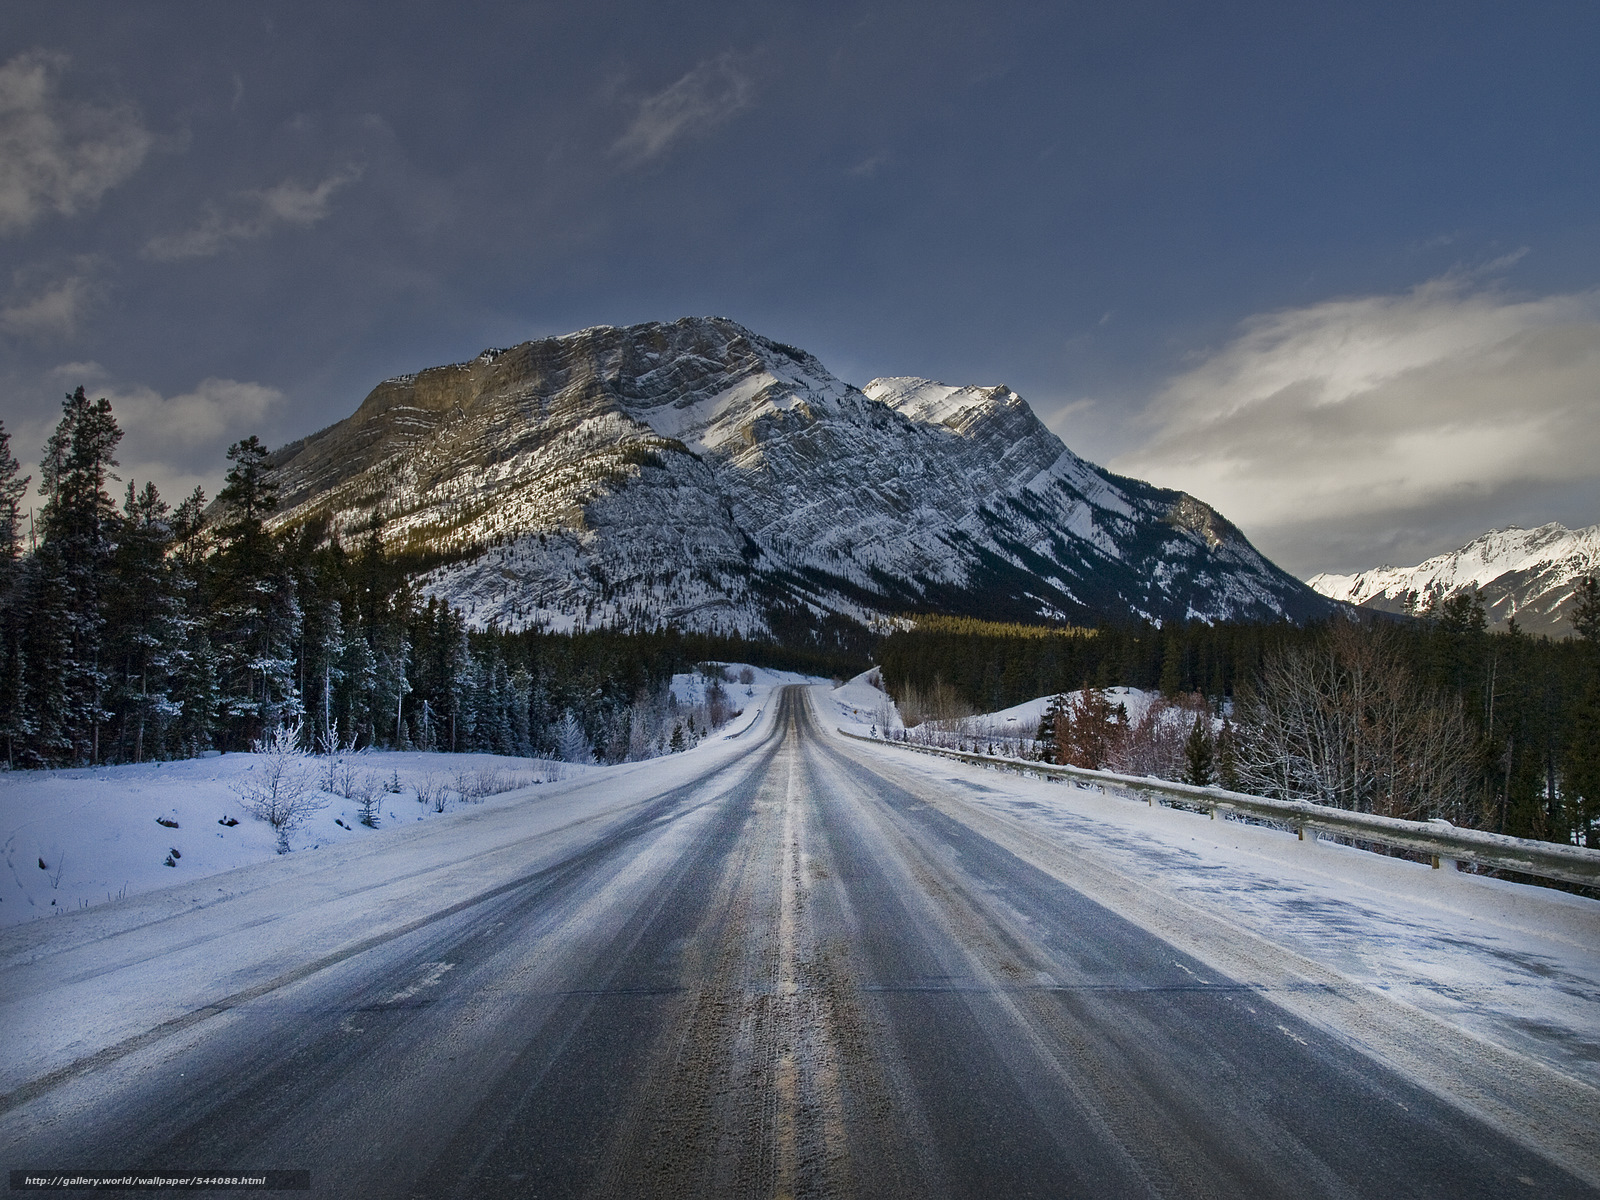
278, 787
1154, 744
432, 792
473, 784
941, 704
1342, 721
334, 754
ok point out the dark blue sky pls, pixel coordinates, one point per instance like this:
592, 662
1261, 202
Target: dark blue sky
1331, 267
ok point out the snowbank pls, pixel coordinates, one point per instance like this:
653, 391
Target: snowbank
73, 839
859, 704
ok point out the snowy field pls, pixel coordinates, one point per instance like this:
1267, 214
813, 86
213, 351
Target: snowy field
75, 839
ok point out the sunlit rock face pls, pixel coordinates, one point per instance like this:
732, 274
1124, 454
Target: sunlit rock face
697, 475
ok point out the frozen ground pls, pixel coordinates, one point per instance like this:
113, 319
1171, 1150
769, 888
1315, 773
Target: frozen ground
74, 839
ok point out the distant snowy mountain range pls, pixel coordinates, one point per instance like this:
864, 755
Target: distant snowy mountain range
1529, 574
698, 475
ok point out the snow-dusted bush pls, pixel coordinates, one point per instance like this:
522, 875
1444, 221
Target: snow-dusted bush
1156, 744
278, 787
572, 744
432, 792
367, 792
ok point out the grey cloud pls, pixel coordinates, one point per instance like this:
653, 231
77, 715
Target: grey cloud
56, 155
1383, 412
703, 99
178, 442
253, 214
49, 305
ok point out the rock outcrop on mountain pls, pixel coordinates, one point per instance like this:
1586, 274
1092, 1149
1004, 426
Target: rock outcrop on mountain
1529, 574
695, 474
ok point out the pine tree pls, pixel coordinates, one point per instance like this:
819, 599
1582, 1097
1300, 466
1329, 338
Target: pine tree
256, 613
144, 626
64, 673
1199, 754
1581, 763
1227, 757
13, 486
1047, 742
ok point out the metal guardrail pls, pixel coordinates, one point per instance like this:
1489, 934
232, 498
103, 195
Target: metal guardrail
1445, 842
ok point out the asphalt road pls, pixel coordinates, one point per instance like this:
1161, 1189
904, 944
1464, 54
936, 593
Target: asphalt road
790, 976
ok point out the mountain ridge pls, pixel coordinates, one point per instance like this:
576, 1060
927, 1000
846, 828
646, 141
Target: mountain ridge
695, 473
1527, 574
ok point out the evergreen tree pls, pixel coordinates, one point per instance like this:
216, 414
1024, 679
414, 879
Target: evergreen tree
1581, 762
1199, 754
1047, 740
143, 627
195, 686
255, 611
64, 675
1227, 757
13, 486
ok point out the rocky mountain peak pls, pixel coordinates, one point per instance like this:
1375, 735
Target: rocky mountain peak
698, 474
1527, 574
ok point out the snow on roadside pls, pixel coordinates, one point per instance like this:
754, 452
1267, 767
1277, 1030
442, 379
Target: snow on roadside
75, 838
101, 835
860, 704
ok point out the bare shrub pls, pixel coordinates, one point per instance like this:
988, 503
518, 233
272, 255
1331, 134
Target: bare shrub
334, 754
465, 780
432, 792
941, 704
278, 787
1155, 743
1342, 721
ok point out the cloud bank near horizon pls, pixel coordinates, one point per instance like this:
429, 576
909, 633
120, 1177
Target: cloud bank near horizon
1380, 421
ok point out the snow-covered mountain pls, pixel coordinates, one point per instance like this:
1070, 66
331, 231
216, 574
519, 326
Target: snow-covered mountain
699, 475
1529, 574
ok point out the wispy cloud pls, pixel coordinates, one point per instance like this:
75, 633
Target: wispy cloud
253, 214
49, 304
56, 155
703, 99
1383, 411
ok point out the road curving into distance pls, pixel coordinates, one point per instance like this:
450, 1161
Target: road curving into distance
794, 971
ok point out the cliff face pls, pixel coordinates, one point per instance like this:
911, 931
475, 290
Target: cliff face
698, 475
